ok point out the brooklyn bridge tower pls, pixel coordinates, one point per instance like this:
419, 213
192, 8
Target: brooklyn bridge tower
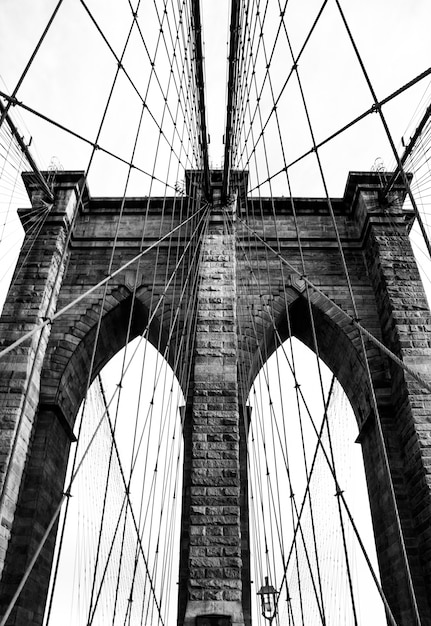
188, 350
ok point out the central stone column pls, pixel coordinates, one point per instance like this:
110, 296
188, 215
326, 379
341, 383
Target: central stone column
211, 569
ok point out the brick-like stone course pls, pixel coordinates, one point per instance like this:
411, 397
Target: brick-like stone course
45, 379
211, 567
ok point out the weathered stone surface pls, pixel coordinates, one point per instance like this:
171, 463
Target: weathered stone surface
43, 382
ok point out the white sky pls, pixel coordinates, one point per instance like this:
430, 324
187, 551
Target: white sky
71, 75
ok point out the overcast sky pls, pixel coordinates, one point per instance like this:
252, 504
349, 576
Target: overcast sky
70, 79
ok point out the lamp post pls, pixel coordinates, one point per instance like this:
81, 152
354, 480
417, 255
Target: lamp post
268, 598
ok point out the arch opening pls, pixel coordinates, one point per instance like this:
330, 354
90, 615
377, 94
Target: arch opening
127, 320
306, 560
122, 522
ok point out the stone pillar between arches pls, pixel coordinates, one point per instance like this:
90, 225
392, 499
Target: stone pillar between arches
211, 565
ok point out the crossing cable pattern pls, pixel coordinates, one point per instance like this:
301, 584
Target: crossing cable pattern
147, 577
248, 134
249, 151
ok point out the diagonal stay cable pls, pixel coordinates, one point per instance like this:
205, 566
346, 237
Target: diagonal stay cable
30, 61
319, 444
289, 76
94, 145
346, 315
78, 467
372, 109
298, 391
393, 148
89, 291
142, 98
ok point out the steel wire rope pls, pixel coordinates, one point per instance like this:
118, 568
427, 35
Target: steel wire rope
183, 101
267, 265
95, 146
361, 338
30, 61
135, 560
138, 404
174, 54
195, 127
418, 112
299, 243
113, 249
347, 126
167, 556
285, 451
105, 569
427, 174
123, 369
57, 557
77, 468
10, 152
342, 527
186, 57
243, 76
51, 297
236, 58
7, 150
252, 440
298, 527
159, 332
252, 63
285, 459
388, 610
166, 479
319, 444
313, 465
32, 233
378, 109
291, 72
12, 149
29, 223
12, 158
125, 72
185, 386
272, 505
92, 289
406, 183
263, 360
90, 619
186, 44
133, 298
165, 289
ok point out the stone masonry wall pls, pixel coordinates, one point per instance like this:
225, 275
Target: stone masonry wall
211, 562
32, 298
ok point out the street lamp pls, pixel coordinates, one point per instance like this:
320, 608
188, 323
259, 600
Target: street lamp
268, 598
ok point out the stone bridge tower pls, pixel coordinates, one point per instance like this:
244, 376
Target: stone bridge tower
42, 382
